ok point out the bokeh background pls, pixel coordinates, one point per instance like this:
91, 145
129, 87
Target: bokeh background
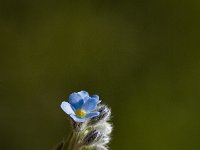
142, 57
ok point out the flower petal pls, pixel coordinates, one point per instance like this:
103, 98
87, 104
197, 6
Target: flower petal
96, 97
74, 98
78, 105
83, 94
66, 107
92, 114
77, 119
90, 105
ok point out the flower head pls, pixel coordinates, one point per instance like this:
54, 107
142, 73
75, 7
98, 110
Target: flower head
81, 106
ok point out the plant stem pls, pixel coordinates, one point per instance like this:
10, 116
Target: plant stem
72, 143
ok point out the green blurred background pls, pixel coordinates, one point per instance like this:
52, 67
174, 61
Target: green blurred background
142, 57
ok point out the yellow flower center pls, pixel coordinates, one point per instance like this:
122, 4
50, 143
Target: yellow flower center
80, 113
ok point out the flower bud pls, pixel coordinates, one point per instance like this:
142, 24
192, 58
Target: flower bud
99, 148
104, 115
105, 139
92, 137
104, 127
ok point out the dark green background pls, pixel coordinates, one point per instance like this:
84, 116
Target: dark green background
141, 56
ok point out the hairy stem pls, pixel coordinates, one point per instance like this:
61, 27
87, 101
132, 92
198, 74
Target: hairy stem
73, 142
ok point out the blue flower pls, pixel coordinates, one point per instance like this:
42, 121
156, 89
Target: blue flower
81, 106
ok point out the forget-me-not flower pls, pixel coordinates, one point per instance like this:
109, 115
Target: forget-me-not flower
81, 106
